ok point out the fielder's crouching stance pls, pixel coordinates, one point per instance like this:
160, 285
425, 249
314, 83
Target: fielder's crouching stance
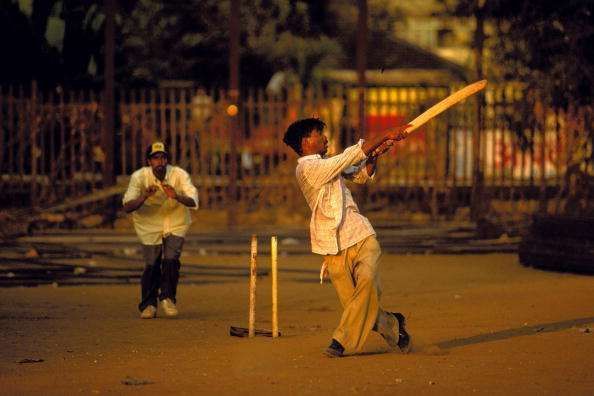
159, 196
344, 236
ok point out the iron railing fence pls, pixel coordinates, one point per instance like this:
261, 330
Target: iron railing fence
51, 144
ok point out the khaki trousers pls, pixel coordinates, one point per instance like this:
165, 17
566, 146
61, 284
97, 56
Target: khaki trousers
355, 276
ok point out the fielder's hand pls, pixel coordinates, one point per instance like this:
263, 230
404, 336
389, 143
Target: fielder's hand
150, 191
170, 191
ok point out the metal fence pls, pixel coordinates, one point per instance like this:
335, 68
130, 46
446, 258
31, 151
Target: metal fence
521, 150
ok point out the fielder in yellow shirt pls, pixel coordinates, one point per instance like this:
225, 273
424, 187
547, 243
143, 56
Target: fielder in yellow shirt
159, 197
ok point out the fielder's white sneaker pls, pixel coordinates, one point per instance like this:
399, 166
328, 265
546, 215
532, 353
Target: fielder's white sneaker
169, 307
149, 312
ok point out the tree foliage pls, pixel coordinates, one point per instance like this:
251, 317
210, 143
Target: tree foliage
546, 44
164, 40
160, 40
173, 40
283, 33
550, 45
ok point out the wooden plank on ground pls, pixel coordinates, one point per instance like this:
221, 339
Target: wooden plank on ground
89, 198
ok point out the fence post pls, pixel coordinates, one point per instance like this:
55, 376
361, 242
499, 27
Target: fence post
233, 117
108, 94
34, 150
109, 107
477, 206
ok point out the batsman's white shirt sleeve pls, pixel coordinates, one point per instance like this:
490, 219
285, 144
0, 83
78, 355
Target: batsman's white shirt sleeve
324, 170
160, 215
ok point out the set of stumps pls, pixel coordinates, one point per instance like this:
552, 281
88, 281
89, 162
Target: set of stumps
251, 330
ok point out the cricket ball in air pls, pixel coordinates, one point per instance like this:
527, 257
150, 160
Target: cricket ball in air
232, 110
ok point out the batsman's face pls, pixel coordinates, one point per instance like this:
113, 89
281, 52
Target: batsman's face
158, 162
315, 143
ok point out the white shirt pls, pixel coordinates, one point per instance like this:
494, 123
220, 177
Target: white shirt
159, 215
336, 223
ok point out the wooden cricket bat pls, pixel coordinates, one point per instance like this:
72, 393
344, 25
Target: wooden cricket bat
445, 104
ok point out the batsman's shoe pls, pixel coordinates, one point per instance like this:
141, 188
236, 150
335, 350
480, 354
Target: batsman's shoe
169, 308
404, 339
149, 312
334, 350
390, 331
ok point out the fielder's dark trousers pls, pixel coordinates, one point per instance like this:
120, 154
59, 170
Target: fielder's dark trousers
161, 271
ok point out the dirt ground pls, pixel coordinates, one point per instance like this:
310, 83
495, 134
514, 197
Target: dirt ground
481, 324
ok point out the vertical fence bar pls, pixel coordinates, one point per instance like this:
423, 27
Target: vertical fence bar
199, 108
72, 141
153, 106
210, 153
123, 133
224, 148
261, 116
140, 104
191, 135
250, 116
172, 107
134, 107
492, 130
93, 160
589, 128
507, 144
3, 134
22, 112
513, 142
11, 133
557, 148
533, 136
4, 141
162, 132
525, 147
50, 110
405, 150
62, 152
182, 132
83, 127
33, 150
504, 146
543, 162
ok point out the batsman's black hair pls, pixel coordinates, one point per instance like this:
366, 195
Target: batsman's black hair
301, 129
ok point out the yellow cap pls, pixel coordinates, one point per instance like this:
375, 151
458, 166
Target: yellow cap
157, 147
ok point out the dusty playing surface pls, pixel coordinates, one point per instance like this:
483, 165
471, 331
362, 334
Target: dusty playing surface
480, 324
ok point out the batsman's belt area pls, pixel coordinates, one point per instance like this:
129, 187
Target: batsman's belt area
482, 324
